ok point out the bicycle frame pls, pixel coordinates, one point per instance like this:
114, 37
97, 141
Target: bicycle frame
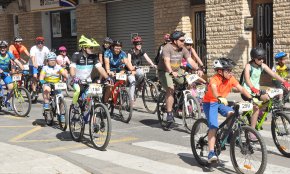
116, 85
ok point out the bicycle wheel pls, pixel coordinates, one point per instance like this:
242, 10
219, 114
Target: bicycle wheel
21, 102
280, 128
150, 96
125, 109
100, 127
193, 107
62, 111
161, 110
48, 117
248, 156
76, 124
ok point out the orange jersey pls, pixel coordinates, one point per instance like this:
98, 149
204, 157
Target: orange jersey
223, 88
17, 52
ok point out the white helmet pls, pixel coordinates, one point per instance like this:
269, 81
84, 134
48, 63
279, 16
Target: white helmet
188, 40
223, 63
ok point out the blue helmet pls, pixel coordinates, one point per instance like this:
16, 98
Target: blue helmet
280, 55
51, 56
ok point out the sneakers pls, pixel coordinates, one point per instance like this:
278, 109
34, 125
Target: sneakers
62, 118
212, 157
170, 117
46, 106
8, 106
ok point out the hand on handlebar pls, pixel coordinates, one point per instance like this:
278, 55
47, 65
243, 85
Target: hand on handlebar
286, 84
255, 90
222, 100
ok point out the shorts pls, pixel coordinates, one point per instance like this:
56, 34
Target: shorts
167, 81
6, 78
211, 111
33, 70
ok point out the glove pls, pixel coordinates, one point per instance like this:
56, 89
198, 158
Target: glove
42, 82
222, 100
286, 84
255, 90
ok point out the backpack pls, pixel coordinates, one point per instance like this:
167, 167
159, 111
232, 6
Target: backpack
242, 75
159, 54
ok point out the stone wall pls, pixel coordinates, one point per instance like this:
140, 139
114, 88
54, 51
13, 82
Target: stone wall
225, 32
30, 27
171, 15
6, 29
91, 21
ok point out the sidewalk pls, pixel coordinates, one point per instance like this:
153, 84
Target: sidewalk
16, 159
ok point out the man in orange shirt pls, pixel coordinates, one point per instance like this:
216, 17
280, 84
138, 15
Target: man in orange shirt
17, 49
214, 101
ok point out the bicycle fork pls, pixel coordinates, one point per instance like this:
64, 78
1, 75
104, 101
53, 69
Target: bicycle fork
186, 103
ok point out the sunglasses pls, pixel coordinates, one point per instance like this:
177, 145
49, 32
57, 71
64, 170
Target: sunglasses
39, 43
89, 48
260, 58
188, 44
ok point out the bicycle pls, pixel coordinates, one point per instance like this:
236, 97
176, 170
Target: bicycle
57, 106
183, 100
20, 96
232, 128
120, 98
279, 127
91, 111
149, 91
28, 85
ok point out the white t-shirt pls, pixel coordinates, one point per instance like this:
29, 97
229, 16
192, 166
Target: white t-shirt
40, 54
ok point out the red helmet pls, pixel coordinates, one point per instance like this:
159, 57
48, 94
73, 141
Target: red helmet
167, 37
40, 38
137, 39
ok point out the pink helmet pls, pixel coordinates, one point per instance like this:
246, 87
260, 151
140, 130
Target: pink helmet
62, 48
137, 39
167, 37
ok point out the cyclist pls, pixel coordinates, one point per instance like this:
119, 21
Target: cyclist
107, 42
6, 59
169, 68
166, 38
252, 74
135, 56
50, 74
38, 53
17, 49
281, 68
115, 61
62, 58
82, 64
214, 101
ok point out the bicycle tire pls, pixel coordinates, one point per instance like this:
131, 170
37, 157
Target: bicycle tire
104, 126
194, 115
161, 111
125, 106
49, 117
237, 141
154, 92
18, 96
284, 118
197, 142
74, 119
62, 125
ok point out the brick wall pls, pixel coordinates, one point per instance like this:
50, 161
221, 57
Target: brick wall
6, 29
91, 21
225, 32
30, 27
170, 15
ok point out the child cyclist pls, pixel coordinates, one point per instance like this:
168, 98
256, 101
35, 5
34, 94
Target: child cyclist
50, 74
281, 68
214, 101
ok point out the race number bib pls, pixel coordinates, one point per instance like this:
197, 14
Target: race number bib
120, 76
191, 78
60, 86
145, 69
272, 92
245, 106
16, 78
95, 88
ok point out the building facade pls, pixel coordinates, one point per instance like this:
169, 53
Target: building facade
219, 28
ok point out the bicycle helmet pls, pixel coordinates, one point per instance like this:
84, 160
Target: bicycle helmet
18, 39
40, 38
3, 43
51, 56
108, 40
176, 35
137, 39
85, 42
188, 40
258, 53
62, 48
280, 55
117, 43
223, 63
167, 37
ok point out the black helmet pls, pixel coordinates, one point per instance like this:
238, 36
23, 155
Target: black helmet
258, 53
176, 35
223, 63
117, 43
108, 40
18, 39
3, 43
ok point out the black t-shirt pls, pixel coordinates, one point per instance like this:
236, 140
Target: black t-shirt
136, 56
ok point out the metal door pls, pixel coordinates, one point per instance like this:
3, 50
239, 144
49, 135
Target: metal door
264, 30
200, 36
